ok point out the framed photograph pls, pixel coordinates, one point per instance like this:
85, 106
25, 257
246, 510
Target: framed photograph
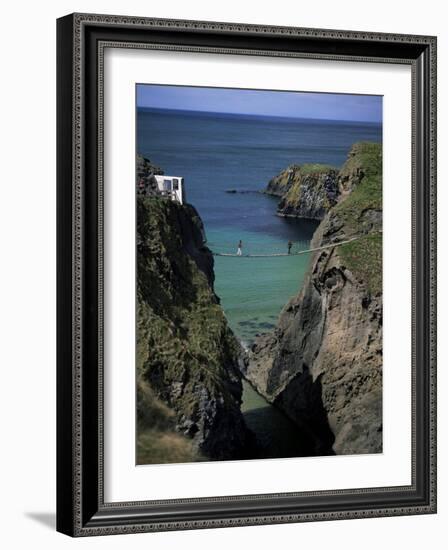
246, 274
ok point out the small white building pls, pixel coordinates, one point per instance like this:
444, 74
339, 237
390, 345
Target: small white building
172, 187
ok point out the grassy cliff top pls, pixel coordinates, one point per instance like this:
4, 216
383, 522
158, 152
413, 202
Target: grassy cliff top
365, 155
294, 172
309, 168
365, 159
360, 213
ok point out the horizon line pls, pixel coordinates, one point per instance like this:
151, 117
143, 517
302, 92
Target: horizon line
254, 115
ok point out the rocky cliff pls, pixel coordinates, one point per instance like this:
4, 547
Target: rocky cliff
322, 364
306, 191
189, 385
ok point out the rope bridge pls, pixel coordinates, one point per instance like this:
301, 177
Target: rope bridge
276, 255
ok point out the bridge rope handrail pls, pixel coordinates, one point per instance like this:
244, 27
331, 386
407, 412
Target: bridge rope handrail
300, 252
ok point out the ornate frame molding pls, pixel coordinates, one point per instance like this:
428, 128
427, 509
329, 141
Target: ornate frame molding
82, 39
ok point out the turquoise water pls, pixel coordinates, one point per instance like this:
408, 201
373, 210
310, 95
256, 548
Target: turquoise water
254, 290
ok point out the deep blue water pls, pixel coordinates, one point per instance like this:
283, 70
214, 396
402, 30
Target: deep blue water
215, 153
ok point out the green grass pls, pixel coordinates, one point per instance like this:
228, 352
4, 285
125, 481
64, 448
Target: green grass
164, 447
157, 440
310, 168
364, 259
367, 195
366, 155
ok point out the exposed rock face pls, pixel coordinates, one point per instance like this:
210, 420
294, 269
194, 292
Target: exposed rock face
145, 172
306, 191
187, 357
323, 363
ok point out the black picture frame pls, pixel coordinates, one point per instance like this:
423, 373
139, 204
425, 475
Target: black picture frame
81, 510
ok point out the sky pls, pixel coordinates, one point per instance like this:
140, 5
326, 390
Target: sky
362, 108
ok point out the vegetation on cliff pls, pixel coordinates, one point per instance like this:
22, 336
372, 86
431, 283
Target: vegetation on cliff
189, 385
364, 259
158, 442
359, 213
360, 182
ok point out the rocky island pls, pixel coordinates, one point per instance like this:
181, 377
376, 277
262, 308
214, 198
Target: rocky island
307, 191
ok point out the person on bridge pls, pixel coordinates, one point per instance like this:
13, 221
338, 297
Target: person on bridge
289, 247
239, 252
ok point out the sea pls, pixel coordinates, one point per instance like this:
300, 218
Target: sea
217, 153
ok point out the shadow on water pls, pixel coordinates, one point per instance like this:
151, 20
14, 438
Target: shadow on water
302, 398
276, 435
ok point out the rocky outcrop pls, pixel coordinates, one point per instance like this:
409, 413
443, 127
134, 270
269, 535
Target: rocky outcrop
187, 356
145, 172
306, 191
322, 364
280, 184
